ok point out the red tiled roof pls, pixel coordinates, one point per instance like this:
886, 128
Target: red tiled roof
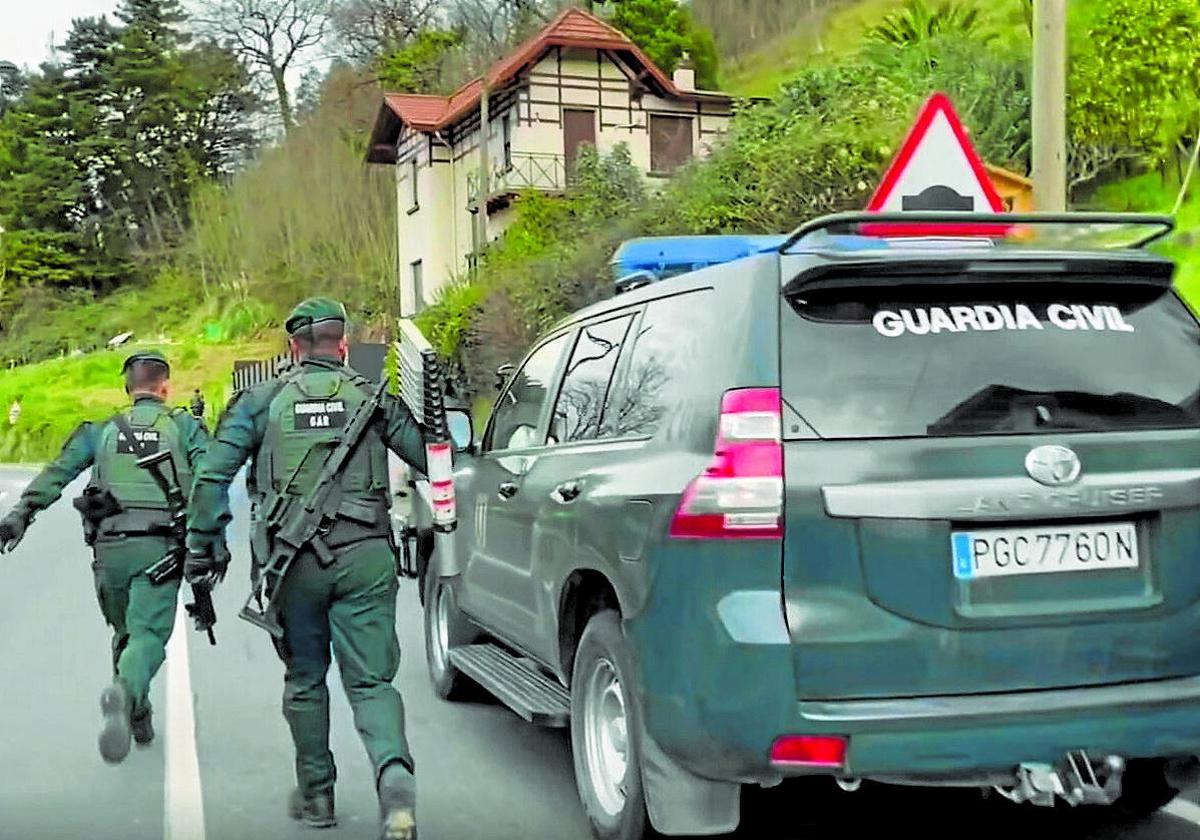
572, 28
418, 110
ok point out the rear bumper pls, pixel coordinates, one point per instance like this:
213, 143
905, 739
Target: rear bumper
720, 693
982, 739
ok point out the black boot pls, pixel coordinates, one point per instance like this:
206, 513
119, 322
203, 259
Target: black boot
313, 811
115, 704
143, 728
397, 803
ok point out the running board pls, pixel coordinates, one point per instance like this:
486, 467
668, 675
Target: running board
517, 683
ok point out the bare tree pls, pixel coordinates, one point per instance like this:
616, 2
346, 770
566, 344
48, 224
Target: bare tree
367, 29
495, 25
269, 35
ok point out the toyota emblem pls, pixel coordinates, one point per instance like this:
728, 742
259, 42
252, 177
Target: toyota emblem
1052, 465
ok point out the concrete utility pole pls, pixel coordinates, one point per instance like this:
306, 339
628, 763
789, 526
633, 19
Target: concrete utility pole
1050, 105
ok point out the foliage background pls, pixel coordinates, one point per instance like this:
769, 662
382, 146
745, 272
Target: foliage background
268, 220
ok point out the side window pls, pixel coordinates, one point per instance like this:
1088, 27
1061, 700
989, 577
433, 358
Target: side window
580, 406
672, 341
515, 418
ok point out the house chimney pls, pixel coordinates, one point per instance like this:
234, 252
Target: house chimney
685, 74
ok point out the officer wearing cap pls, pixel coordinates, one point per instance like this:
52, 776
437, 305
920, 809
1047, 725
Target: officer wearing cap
126, 522
286, 427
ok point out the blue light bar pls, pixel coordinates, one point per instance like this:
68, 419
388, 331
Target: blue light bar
667, 256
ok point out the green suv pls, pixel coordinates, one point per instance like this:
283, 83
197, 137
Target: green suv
906, 502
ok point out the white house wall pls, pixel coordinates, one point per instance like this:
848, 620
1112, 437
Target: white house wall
439, 233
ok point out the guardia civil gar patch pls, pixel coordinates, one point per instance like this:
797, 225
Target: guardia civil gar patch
319, 414
147, 442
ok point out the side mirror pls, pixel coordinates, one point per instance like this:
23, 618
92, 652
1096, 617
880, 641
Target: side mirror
462, 429
503, 374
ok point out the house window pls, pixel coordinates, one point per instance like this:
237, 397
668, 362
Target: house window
506, 128
416, 291
670, 143
415, 202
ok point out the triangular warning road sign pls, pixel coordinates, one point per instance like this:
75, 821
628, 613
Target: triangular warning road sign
937, 168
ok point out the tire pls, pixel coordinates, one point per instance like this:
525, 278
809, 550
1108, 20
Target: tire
445, 627
605, 721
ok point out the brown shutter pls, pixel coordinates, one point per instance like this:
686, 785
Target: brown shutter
670, 142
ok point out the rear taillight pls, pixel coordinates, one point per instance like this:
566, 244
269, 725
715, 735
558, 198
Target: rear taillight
809, 751
740, 495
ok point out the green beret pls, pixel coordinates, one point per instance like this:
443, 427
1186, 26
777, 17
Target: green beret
314, 311
145, 356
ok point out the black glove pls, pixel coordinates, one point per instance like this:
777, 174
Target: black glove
12, 528
206, 568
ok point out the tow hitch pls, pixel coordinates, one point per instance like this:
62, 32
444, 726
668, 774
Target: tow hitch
1078, 780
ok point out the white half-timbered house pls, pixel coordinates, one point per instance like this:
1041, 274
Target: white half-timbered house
579, 81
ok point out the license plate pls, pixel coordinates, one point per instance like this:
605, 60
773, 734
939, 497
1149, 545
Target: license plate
996, 552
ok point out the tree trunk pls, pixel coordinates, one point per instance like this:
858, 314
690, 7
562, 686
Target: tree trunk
285, 103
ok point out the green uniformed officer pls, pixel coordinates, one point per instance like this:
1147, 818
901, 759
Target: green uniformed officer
127, 526
286, 426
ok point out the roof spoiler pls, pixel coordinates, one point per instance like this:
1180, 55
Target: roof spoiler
946, 223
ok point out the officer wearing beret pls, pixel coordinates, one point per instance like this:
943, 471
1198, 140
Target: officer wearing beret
126, 522
286, 427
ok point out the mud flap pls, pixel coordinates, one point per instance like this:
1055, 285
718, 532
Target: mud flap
445, 551
682, 803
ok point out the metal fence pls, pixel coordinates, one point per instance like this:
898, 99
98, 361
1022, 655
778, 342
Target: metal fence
525, 171
250, 372
366, 358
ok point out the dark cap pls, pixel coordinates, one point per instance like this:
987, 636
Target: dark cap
145, 356
314, 310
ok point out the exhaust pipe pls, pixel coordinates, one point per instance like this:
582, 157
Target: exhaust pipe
1182, 773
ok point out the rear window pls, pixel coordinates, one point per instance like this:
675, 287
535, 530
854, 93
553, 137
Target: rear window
967, 359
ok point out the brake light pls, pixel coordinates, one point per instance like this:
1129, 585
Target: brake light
810, 751
740, 495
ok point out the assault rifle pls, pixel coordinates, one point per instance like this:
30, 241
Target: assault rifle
295, 522
171, 565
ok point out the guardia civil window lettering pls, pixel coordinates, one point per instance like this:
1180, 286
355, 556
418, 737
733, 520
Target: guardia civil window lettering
931, 320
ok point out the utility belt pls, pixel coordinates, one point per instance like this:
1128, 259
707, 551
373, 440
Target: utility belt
105, 518
357, 519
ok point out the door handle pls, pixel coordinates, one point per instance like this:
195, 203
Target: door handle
566, 492
507, 490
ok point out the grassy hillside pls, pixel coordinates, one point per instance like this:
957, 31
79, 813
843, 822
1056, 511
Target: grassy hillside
1149, 193
57, 395
826, 36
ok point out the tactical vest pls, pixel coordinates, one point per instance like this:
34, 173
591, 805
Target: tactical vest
144, 507
305, 422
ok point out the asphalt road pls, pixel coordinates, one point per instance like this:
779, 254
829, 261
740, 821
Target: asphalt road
484, 774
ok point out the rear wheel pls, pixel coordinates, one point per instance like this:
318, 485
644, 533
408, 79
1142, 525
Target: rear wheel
604, 727
445, 627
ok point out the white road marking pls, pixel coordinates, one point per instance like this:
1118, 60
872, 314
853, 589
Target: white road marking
1182, 809
184, 806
